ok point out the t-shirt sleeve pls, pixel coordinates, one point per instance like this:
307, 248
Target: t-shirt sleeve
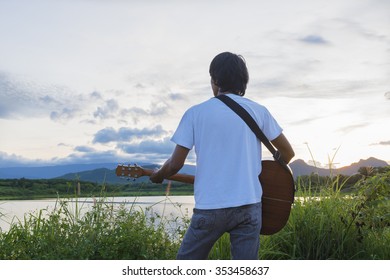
184, 134
271, 128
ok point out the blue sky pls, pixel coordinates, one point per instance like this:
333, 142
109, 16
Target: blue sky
108, 81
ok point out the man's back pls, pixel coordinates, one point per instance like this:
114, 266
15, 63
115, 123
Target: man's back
227, 189
228, 153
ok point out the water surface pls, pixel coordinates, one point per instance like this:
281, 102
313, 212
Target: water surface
170, 207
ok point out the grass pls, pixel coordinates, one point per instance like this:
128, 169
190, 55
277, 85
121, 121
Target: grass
11, 189
104, 232
331, 225
325, 224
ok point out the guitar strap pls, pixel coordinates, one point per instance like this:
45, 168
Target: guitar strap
248, 119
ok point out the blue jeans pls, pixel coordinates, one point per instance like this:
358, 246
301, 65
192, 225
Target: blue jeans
243, 223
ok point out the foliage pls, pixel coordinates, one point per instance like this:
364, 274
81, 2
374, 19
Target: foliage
373, 202
324, 224
315, 184
328, 224
337, 226
51, 188
104, 232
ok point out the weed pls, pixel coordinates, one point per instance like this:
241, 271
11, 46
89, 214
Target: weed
337, 226
325, 223
104, 232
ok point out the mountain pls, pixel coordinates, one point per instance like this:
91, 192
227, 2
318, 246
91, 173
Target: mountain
354, 167
48, 172
105, 172
100, 175
299, 167
108, 175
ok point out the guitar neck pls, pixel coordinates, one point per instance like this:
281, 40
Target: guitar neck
183, 178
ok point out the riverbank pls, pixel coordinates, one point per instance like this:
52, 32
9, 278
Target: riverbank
27, 189
335, 227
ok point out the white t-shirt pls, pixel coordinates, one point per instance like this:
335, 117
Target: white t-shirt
228, 154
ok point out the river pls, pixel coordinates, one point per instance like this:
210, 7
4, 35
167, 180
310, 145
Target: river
170, 207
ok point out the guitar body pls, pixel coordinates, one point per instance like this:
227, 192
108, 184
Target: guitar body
278, 191
278, 195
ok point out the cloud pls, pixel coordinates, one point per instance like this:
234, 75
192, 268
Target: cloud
96, 95
84, 149
177, 96
148, 151
63, 115
22, 98
110, 134
140, 86
323, 89
305, 121
145, 153
108, 110
91, 157
162, 147
382, 143
155, 151
387, 95
15, 98
349, 128
133, 111
11, 160
48, 100
314, 40
362, 29
156, 109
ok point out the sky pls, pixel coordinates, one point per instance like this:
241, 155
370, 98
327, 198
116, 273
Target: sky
87, 81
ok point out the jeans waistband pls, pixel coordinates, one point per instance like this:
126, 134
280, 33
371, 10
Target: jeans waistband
196, 210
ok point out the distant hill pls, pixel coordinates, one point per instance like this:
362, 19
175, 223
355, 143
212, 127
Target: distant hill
48, 172
100, 175
108, 175
354, 167
299, 167
105, 172
103, 175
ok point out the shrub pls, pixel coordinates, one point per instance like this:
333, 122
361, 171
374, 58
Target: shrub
336, 225
104, 232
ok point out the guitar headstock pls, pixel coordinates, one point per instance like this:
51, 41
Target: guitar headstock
131, 171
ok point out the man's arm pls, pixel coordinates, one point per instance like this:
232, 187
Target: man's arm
171, 166
283, 146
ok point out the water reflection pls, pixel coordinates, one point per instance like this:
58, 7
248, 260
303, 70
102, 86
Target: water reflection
170, 210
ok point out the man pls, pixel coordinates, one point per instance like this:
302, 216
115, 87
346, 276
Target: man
228, 161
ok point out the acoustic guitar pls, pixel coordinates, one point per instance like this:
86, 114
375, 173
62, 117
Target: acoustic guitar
278, 191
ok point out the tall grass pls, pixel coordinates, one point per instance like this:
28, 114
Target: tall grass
330, 224
325, 223
104, 232
335, 225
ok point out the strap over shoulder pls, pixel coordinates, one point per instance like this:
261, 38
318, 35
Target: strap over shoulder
248, 119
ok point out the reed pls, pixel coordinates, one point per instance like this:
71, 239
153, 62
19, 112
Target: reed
325, 223
103, 232
335, 225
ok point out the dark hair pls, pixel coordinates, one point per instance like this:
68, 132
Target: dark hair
229, 72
